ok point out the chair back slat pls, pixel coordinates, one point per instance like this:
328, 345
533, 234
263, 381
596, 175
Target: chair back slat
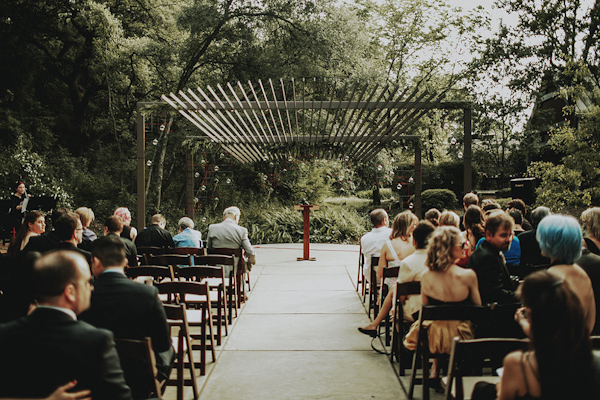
145, 251
139, 367
391, 272
158, 272
408, 288
170, 259
194, 251
198, 273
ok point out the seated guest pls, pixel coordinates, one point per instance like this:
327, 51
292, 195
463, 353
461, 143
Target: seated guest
113, 226
560, 364
88, 236
69, 230
155, 234
52, 340
187, 236
411, 270
129, 232
48, 240
531, 255
34, 224
591, 219
445, 283
130, 310
517, 217
489, 205
590, 263
433, 216
495, 284
372, 242
560, 239
474, 231
229, 235
449, 218
470, 199
519, 204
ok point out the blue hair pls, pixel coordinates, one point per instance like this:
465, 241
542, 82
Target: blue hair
560, 238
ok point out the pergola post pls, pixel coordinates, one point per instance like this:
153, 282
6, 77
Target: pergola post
467, 152
418, 178
189, 185
141, 168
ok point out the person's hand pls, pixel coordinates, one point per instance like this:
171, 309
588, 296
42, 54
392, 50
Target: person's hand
520, 314
522, 319
62, 394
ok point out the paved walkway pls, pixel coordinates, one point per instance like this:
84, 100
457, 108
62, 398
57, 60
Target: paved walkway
296, 336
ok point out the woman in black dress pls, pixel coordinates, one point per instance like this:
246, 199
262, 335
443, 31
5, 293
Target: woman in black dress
16, 207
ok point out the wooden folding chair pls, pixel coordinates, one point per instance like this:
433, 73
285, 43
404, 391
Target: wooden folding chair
373, 288
399, 326
191, 251
177, 317
145, 251
170, 260
228, 262
438, 313
468, 359
360, 279
139, 367
158, 273
242, 275
194, 294
215, 277
383, 292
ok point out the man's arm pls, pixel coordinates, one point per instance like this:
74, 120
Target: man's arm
247, 246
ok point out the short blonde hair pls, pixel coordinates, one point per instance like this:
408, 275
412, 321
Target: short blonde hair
439, 250
591, 219
401, 227
86, 215
449, 218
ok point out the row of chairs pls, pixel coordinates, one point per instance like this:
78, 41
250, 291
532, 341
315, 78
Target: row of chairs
197, 294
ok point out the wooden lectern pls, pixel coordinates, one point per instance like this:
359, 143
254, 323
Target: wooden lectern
306, 228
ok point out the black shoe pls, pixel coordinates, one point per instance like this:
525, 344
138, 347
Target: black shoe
369, 332
436, 383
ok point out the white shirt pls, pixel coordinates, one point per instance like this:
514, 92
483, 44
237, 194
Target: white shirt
67, 311
371, 244
412, 269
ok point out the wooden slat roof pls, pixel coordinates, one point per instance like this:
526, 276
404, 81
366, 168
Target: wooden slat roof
260, 121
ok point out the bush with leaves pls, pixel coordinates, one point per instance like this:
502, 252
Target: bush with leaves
442, 199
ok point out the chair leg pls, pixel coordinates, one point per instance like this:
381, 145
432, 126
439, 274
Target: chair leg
425, 368
413, 374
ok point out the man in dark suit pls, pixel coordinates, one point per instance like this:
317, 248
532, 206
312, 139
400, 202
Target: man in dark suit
228, 234
70, 232
531, 255
129, 309
113, 226
590, 263
488, 262
50, 347
155, 234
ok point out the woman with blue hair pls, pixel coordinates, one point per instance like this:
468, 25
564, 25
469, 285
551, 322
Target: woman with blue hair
560, 239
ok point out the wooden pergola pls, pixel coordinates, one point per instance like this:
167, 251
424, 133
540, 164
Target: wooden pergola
261, 121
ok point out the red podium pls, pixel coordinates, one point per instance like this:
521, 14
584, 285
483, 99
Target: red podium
306, 228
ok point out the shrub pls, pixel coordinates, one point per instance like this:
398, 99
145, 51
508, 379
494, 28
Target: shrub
438, 198
447, 175
503, 193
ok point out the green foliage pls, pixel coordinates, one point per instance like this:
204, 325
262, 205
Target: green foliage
442, 199
447, 175
503, 193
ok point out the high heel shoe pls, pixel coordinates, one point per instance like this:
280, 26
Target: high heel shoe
369, 332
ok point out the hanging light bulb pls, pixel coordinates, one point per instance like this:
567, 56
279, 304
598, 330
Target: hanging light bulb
399, 186
379, 167
149, 162
216, 168
155, 142
196, 199
460, 154
216, 180
162, 127
197, 174
228, 181
203, 188
411, 180
453, 141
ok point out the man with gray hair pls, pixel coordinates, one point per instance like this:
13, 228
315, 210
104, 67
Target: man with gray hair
187, 236
372, 242
229, 235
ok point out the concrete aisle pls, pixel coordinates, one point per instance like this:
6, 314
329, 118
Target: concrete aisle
296, 336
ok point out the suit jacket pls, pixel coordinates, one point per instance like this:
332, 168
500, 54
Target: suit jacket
43, 243
531, 255
69, 246
130, 310
154, 235
48, 348
130, 250
590, 263
494, 281
229, 235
